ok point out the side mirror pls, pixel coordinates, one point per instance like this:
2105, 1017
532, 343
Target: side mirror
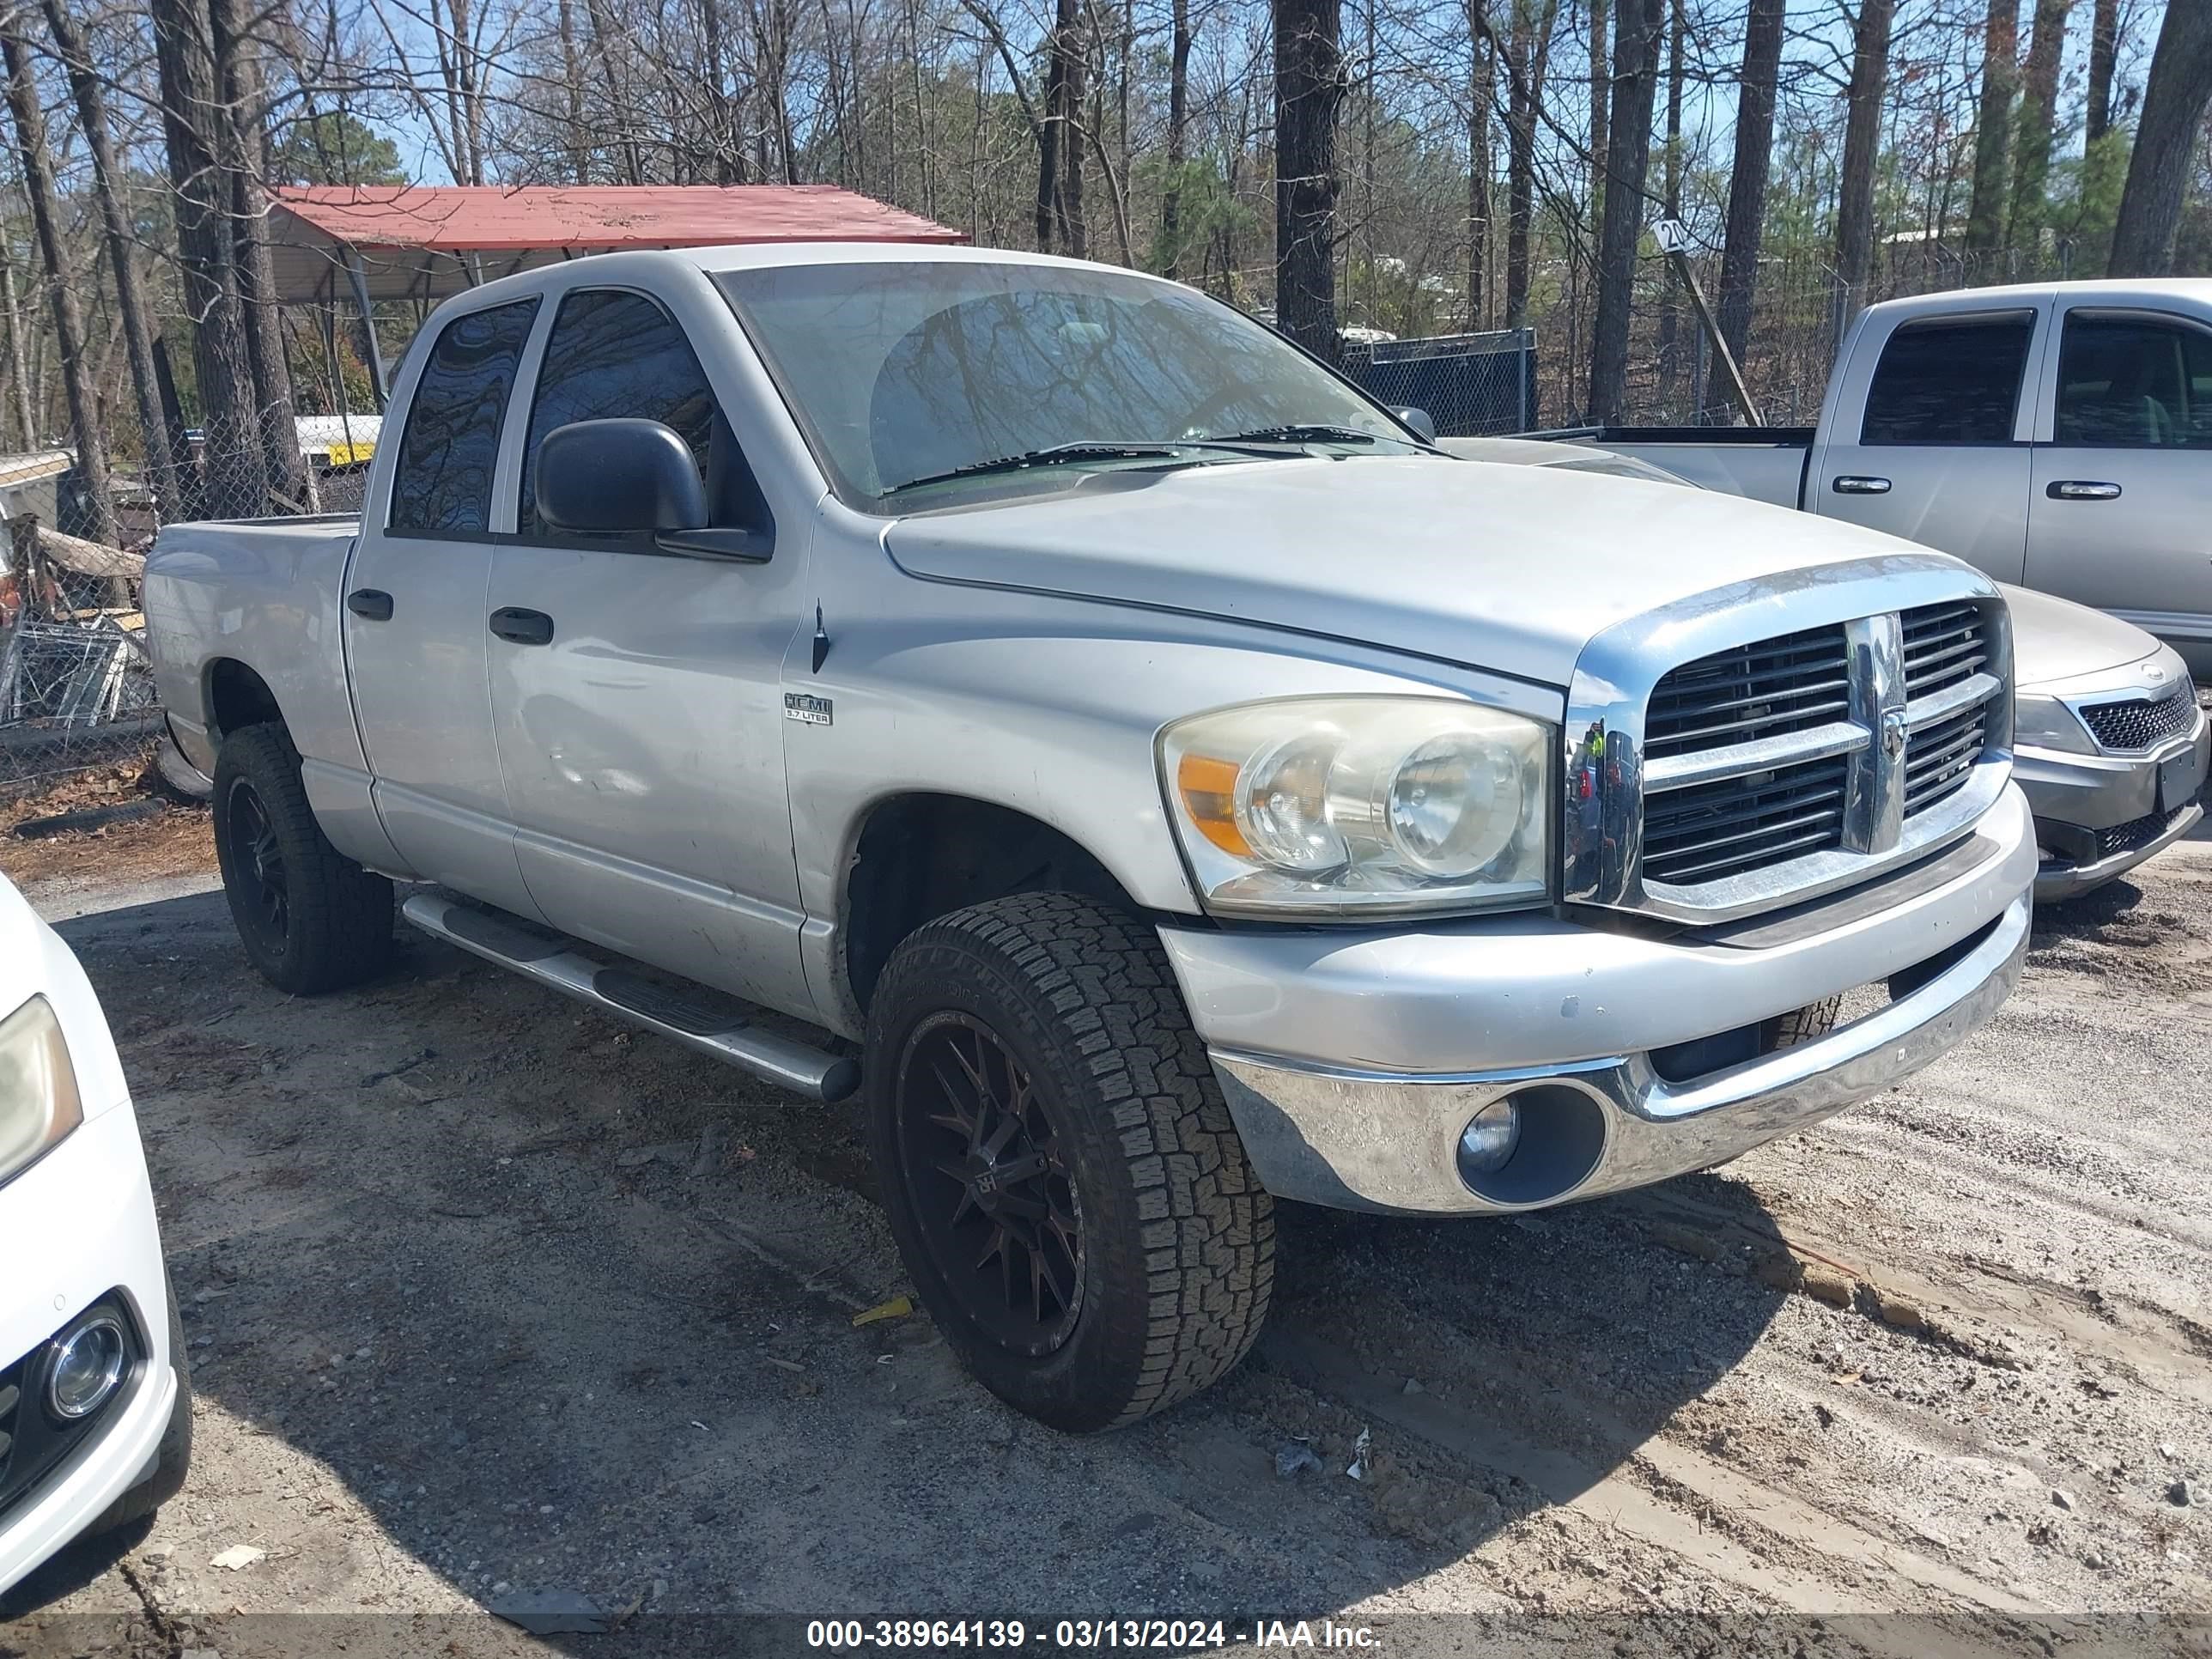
1419, 420
635, 477
619, 478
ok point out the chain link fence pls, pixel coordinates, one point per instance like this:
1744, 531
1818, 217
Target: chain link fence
77, 684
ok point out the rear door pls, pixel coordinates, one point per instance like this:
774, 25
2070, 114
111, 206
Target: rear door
642, 740
1939, 455
414, 614
2120, 512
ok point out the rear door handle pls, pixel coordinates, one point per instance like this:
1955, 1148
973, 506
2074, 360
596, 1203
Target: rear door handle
1850, 484
370, 604
512, 622
2082, 489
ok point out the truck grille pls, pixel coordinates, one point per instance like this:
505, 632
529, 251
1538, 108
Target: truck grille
1828, 740
2139, 724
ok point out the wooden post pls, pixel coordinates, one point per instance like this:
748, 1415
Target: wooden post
1721, 352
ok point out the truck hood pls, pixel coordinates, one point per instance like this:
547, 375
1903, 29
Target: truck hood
1509, 568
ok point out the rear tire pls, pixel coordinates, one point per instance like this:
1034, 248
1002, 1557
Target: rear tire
1807, 1024
1067, 1191
311, 919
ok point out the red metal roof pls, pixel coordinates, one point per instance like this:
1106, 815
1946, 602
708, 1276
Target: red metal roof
486, 218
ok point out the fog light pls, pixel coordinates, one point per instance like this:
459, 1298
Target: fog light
1489, 1138
87, 1370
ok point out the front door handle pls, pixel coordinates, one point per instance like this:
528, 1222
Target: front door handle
512, 622
2082, 489
1851, 484
370, 604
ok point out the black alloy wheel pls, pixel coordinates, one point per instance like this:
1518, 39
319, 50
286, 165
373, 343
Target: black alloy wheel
997, 1210
256, 864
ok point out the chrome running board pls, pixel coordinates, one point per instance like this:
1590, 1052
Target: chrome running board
701, 1019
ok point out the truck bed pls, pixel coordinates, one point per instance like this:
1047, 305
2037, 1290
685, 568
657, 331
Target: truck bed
1760, 463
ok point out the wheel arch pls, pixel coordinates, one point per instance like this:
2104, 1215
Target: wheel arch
920, 854
235, 694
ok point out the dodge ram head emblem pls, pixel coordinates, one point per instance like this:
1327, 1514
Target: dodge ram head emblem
1896, 725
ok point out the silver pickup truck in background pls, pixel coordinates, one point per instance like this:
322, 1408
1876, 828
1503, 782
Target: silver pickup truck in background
2057, 435
1154, 774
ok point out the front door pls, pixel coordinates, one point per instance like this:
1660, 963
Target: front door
414, 611
2120, 513
1941, 456
642, 740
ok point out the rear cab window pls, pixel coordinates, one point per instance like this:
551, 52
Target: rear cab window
1950, 380
450, 451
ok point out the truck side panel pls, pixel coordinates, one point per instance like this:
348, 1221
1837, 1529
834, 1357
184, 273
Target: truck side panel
1769, 465
231, 606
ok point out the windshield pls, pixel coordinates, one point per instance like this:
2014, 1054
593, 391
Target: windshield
908, 372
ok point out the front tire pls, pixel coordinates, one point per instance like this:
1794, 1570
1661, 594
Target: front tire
311, 919
1067, 1191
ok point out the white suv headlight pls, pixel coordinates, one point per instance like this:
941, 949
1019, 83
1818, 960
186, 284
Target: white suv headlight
38, 1104
1358, 807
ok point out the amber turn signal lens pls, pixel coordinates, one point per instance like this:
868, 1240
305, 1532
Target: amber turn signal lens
1208, 787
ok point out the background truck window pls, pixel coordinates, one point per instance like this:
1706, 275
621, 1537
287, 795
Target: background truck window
1953, 380
2134, 382
443, 484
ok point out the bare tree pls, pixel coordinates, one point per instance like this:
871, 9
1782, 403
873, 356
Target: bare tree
1745, 225
18, 373
1178, 138
2104, 53
2175, 99
90, 441
122, 255
1670, 301
1861, 145
1985, 211
1598, 91
1635, 83
1481, 72
1528, 51
1308, 92
2037, 133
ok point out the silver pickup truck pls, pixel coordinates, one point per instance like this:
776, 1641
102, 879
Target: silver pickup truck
1153, 774
2057, 435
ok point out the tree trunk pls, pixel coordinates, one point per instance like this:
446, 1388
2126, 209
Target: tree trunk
91, 444
19, 372
106, 186
1178, 140
245, 139
1309, 90
2039, 119
1635, 81
236, 472
1985, 210
572, 86
1482, 72
1862, 149
1529, 52
2104, 53
1598, 89
2174, 98
1670, 302
1754, 153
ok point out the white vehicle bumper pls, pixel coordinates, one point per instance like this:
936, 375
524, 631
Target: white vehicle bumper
77, 1228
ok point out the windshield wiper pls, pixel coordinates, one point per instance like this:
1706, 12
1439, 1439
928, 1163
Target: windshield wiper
1300, 434
1053, 455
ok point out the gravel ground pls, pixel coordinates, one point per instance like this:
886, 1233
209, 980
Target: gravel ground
487, 1296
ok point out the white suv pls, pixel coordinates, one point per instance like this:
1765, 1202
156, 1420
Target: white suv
95, 1405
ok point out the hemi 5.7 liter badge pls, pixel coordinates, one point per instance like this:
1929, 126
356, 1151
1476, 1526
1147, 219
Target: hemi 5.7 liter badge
811, 711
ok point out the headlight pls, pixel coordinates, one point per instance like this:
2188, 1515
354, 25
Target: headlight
38, 1089
2040, 722
1334, 806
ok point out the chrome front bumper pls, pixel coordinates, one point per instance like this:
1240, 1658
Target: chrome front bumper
1427, 1028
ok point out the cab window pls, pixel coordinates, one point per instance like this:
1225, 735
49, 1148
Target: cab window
2130, 382
442, 485
1949, 380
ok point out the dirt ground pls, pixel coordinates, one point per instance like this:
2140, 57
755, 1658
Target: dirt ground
488, 1296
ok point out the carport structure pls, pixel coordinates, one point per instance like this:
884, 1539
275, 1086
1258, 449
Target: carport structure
426, 242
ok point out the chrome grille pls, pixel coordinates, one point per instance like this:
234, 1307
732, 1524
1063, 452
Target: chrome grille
1763, 690
1726, 828
1818, 747
2140, 723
